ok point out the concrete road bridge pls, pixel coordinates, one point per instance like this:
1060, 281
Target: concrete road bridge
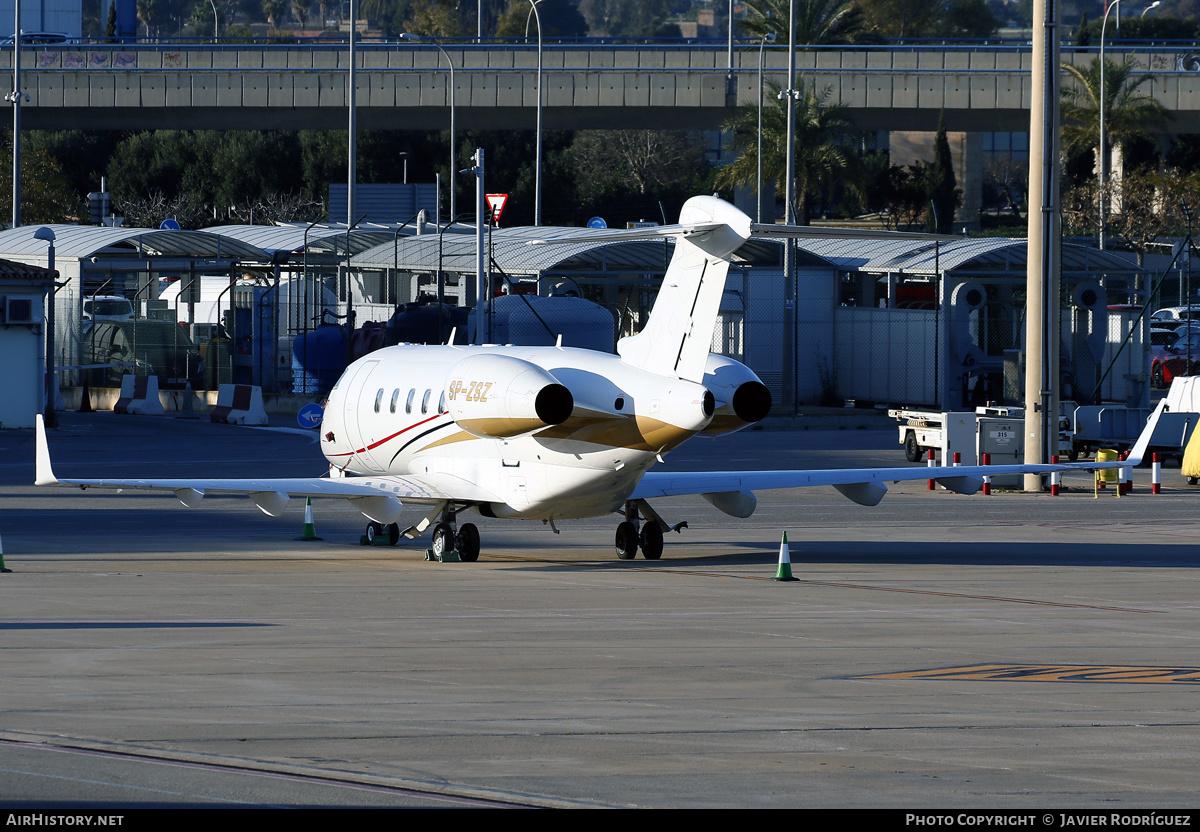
404, 85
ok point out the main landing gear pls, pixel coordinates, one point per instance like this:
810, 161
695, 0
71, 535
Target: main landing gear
649, 538
379, 530
449, 536
465, 541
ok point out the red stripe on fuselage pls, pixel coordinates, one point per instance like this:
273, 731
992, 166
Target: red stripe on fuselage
393, 436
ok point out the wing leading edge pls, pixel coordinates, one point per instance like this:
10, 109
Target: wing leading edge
379, 498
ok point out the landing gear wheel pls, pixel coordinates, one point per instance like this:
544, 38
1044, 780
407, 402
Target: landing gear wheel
393, 533
443, 540
1157, 381
652, 541
468, 542
1192, 480
912, 451
627, 541
373, 531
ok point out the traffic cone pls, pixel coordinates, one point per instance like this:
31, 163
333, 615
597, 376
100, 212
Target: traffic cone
188, 409
785, 562
309, 532
85, 402
3, 568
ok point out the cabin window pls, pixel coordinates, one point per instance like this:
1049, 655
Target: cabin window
619, 404
442, 403
395, 398
378, 399
408, 404
425, 401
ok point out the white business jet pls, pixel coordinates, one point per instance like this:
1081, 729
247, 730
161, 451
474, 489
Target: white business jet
556, 433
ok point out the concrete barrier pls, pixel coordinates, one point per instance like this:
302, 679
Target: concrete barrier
139, 394
239, 404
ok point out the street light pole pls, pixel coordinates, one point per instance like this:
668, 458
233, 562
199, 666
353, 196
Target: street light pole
14, 98
769, 37
1103, 150
453, 92
537, 171
352, 151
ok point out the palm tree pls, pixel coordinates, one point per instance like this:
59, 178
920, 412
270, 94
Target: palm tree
821, 152
1128, 114
818, 22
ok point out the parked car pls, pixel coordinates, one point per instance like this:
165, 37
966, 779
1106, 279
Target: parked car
159, 348
1174, 314
1181, 358
1163, 337
39, 38
107, 308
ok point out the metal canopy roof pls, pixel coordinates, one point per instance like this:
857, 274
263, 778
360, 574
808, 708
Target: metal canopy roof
325, 238
969, 253
79, 241
517, 253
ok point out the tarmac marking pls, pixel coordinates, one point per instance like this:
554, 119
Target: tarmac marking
444, 793
839, 584
1121, 674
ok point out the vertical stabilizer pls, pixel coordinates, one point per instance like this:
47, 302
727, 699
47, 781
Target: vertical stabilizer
678, 336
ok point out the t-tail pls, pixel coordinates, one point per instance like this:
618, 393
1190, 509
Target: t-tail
678, 336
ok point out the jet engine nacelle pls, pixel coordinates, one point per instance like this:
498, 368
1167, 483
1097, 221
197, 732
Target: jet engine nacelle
502, 397
742, 399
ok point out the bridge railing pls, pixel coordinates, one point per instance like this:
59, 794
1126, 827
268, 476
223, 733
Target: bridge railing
521, 56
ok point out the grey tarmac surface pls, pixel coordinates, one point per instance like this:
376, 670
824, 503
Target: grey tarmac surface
156, 655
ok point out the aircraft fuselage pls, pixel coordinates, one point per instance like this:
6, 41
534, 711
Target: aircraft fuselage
541, 432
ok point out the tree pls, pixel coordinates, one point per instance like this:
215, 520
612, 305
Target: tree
967, 19
625, 18
944, 196
432, 18
645, 161
1128, 113
274, 11
46, 196
559, 19
818, 22
821, 149
900, 18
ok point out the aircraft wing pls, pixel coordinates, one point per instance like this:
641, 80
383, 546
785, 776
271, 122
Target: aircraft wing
865, 486
379, 498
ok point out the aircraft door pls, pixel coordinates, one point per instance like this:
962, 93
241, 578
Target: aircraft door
359, 408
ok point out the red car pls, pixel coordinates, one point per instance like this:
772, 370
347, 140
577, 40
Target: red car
1181, 358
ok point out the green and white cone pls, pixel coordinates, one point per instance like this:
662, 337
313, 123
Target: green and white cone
309, 532
785, 562
3, 568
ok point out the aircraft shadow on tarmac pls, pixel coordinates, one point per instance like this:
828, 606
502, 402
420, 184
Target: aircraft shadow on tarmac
111, 525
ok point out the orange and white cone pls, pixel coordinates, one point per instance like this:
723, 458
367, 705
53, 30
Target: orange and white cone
785, 562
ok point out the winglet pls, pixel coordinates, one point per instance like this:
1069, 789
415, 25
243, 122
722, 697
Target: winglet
1143, 441
44, 473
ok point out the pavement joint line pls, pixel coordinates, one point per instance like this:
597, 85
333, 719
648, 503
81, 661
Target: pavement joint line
351, 780
838, 584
